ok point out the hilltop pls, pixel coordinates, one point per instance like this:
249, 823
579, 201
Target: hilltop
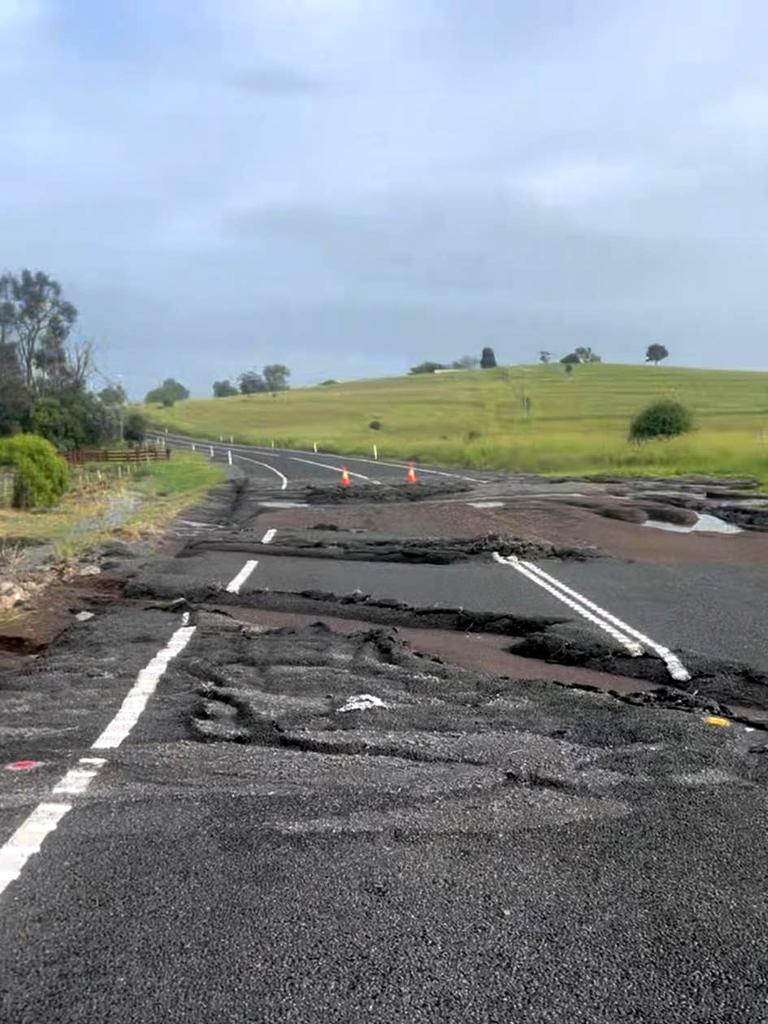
519, 418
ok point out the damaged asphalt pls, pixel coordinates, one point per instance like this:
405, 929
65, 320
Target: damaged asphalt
471, 846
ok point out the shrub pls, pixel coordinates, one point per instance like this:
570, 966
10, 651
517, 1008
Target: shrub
41, 475
134, 427
375, 425
666, 418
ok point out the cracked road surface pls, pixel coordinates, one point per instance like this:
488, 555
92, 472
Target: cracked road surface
207, 835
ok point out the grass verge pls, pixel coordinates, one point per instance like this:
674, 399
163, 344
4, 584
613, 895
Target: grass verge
128, 508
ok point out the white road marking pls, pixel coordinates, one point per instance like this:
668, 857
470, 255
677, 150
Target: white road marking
334, 469
269, 536
77, 780
675, 667
352, 458
27, 840
266, 465
142, 690
29, 836
629, 645
233, 587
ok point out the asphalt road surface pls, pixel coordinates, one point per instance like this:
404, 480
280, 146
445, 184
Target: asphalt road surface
209, 831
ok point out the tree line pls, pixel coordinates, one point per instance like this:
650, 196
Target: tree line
45, 375
273, 378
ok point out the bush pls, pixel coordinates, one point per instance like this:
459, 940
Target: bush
134, 427
73, 420
661, 419
375, 425
41, 475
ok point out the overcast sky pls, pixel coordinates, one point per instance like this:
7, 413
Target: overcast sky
352, 186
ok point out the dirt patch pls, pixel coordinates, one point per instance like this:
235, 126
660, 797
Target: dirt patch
714, 685
358, 606
479, 652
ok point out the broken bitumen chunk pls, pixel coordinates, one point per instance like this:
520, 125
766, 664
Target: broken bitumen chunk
378, 493
429, 550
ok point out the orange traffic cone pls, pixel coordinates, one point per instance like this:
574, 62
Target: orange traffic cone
345, 480
411, 477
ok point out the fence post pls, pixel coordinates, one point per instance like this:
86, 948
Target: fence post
229, 458
273, 442
375, 452
211, 447
231, 438
314, 447
193, 447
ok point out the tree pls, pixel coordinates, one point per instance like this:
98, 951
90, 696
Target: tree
170, 391
655, 353
466, 363
586, 355
251, 383
73, 419
114, 394
35, 317
665, 418
428, 367
15, 399
276, 377
224, 389
572, 359
488, 359
544, 356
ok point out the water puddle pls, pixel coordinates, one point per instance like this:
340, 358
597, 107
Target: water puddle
705, 524
284, 504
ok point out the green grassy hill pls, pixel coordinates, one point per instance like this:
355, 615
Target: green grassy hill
576, 423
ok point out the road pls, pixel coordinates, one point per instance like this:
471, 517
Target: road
207, 836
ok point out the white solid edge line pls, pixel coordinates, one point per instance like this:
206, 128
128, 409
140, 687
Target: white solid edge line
266, 465
30, 835
28, 838
629, 645
677, 670
274, 453
269, 536
333, 469
145, 685
233, 587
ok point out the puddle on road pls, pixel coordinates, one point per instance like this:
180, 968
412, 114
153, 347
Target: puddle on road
284, 504
704, 524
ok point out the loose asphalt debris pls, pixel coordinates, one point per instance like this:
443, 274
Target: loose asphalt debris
376, 493
434, 551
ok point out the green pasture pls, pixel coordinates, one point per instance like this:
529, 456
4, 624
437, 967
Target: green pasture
519, 418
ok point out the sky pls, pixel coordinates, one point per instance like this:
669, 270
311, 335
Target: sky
350, 187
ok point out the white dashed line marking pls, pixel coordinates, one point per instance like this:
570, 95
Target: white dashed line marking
233, 587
